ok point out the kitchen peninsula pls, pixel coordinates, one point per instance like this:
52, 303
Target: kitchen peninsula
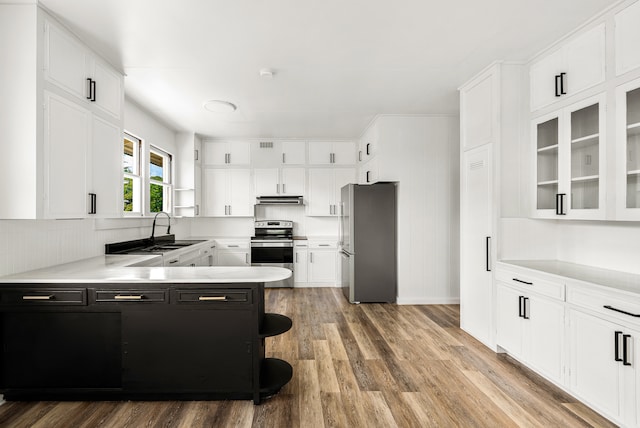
100, 329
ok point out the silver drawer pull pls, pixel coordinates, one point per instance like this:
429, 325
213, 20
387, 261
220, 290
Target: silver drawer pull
128, 297
209, 298
324, 245
37, 297
233, 246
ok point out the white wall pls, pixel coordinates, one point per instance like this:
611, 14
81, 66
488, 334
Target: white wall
427, 165
33, 244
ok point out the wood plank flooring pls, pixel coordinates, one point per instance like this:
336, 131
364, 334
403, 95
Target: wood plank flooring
369, 365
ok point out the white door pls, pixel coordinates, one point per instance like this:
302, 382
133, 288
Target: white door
239, 153
628, 151
233, 258
542, 75
627, 39
214, 197
66, 135
322, 266
320, 153
585, 60
292, 182
584, 160
344, 153
594, 370
241, 200
108, 88
106, 180
510, 304
65, 61
215, 153
343, 176
300, 258
321, 192
265, 181
544, 336
476, 289
549, 196
294, 153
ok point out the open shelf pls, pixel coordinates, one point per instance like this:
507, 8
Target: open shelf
585, 178
547, 183
275, 324
184, 206
274, 374
593, 138
548, 148
183, 189
633, 129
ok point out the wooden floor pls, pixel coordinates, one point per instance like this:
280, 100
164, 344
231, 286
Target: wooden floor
369, 365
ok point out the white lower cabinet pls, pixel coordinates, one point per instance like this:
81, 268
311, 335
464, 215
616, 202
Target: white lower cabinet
300, 262
322, 262
322, 266
233, 253
530, 328
596, 375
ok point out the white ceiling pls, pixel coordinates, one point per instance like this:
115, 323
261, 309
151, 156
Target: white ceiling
337, 63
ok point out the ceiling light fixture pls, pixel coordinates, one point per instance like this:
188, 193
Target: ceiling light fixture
267, 73
219, 106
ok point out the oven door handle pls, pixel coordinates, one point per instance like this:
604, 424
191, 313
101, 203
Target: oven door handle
271, 244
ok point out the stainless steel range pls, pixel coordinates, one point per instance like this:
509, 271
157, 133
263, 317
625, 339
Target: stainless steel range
272, 245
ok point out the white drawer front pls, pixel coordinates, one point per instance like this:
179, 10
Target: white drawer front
232, 245
531, 282
323, 244
611, 304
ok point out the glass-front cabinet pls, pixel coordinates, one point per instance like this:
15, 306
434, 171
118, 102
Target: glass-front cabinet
569, 162
628, 151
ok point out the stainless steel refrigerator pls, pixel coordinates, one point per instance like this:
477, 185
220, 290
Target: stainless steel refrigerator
368, 242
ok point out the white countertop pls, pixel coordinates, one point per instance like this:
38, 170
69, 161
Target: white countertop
603, 277
114, 268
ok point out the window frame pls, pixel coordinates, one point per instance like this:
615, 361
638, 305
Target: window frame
137, 179
142, 181
166, 183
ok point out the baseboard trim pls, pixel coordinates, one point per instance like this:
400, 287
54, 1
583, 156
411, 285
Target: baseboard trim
315, 285
428, 301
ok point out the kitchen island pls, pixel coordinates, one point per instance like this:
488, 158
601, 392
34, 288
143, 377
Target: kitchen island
97, 329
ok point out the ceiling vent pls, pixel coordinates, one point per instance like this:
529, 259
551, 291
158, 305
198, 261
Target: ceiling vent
266, 144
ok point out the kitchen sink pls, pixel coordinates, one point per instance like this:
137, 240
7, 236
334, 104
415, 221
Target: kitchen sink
146, 246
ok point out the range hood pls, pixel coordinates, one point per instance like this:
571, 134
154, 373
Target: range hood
279, 200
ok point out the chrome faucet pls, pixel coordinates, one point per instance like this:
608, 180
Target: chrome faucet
153, 229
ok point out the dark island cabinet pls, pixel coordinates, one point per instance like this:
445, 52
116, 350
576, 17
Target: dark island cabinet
142, 341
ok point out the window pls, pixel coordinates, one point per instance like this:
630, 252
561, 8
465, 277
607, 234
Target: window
159, 180
132, 177
147, 189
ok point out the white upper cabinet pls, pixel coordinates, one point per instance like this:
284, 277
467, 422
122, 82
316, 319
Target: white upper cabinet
279, 182
292, 181
628, 151
107, 88
368, 144
293, 152
65, 61
569, 162
228, 193
332, 153
227, 153
69, 65
627, 39
324, 190
67, 131
105, 181
577, 65
479, 110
